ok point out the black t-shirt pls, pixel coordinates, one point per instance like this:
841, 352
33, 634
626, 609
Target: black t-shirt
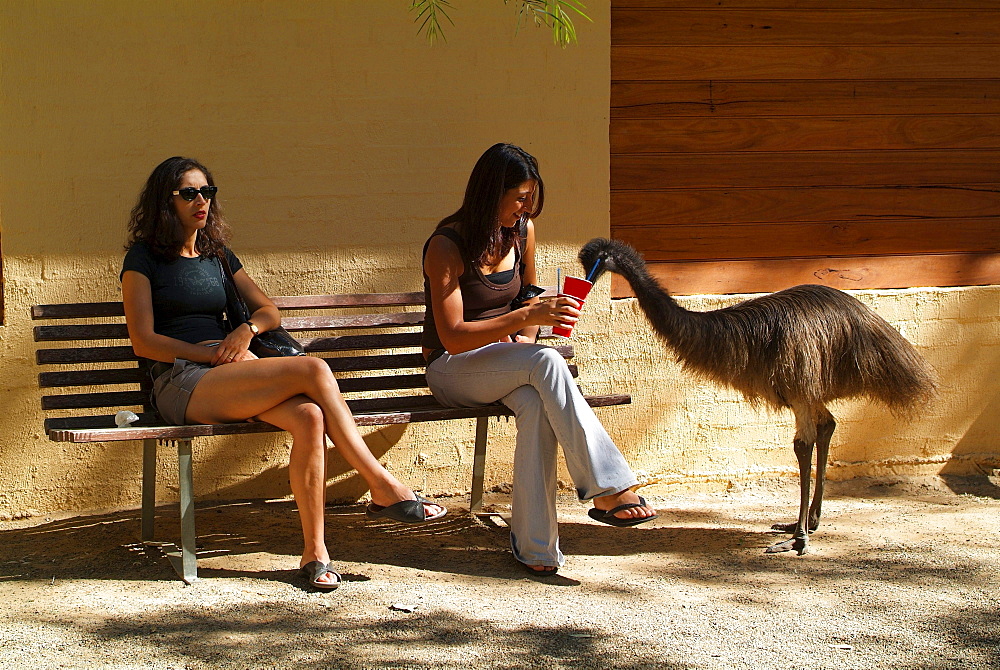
188, 294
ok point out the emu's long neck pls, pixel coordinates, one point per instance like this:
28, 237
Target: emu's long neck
671, 321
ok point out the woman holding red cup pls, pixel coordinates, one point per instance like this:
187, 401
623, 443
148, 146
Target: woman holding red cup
479, 342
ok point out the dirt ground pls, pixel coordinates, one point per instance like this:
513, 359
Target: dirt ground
901, 575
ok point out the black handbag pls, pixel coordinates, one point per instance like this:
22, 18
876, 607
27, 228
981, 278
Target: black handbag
270, 343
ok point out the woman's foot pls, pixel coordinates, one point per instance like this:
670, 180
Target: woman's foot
406, 511
625, 508
319, 573
540, 570
395, 492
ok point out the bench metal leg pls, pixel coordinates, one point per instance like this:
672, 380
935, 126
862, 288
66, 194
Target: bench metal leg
479, 464
189, 564
148, 488
185, 561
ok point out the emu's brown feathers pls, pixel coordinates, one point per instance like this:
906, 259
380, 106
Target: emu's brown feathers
798, 348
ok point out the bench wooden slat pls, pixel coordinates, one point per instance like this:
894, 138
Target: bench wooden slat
85, 310
147, 419
77, 310
105, 309
399, 361
90, 400
130, 398
91, 331
116, 354
85, 355
361, 342
430, 412
98, 421
132, 375
118, 331
349, 300
300, 323
365, 363
382, 383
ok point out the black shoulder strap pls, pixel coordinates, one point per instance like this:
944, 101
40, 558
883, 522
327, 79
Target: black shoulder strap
522, 236
236, 308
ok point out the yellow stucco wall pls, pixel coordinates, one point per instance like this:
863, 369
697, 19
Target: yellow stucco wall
338, 138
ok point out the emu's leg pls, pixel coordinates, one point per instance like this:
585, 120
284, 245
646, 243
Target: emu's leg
807, 419
800, 536
824, 431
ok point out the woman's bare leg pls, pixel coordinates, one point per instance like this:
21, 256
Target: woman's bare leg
303, 418
237, 391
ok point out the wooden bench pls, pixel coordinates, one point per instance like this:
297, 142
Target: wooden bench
370, 341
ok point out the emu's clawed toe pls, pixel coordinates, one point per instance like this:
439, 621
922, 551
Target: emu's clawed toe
797, 544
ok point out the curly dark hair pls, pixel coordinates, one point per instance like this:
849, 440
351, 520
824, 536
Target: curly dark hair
154, 220
500, 168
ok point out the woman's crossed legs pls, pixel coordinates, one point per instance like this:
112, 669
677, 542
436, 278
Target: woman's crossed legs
298, 394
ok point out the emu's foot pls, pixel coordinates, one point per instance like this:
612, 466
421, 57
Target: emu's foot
790, 527
798, 544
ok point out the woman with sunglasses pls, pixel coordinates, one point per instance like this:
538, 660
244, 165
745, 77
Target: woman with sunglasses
174, 299
480, 348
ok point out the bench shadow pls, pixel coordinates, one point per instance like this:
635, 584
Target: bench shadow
233, 536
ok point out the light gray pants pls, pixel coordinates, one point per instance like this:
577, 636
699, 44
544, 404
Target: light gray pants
535, 383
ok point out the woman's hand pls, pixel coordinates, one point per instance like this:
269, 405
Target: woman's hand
236, 347
561, 310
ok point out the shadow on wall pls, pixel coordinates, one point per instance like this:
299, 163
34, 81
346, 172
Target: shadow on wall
979, 363
976, 467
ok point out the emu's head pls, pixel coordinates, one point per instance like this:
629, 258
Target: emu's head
611, 255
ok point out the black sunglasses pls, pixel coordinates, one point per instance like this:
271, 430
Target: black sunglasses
190, 193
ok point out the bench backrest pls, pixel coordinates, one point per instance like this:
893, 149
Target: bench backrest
371, 341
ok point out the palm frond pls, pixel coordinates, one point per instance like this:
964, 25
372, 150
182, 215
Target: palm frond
431, 11
552, 13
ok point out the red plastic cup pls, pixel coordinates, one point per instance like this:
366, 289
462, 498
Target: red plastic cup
575, 288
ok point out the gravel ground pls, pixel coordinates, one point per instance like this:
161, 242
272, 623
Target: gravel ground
900, 575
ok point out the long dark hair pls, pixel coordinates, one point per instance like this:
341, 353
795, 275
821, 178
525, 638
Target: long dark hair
500, 168
154, 220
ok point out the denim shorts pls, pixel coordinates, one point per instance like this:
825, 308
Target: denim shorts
172, 389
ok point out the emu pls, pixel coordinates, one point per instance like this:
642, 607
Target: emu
799, 348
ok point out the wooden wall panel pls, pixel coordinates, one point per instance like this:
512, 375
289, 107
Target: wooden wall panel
766, 275
801, 97
826, 5
804, 169
819, 133
762, 138
790, 204
721, 241
656, 63
695, 27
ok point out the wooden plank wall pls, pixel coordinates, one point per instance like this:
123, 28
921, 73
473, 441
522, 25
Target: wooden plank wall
758, 144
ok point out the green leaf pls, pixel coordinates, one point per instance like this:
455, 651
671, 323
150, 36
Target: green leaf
431, 11
552, 13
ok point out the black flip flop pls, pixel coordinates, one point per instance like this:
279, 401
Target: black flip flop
313, 570
609, 517
405, 511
